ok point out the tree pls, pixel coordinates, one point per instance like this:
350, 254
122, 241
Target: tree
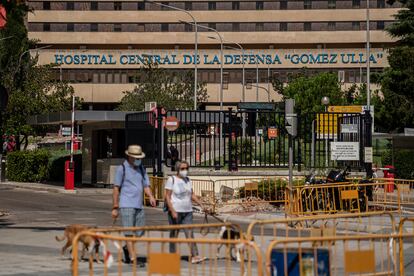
171, 90
396, 108
32, 89
309, 90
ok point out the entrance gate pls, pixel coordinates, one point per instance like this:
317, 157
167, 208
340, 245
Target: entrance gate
247, 139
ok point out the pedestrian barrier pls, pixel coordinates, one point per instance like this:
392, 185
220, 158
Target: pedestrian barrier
379, 254
402, 229
397, 191
344, 197
213, 230
159, 260
265, 231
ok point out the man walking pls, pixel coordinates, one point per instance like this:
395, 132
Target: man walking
131, 181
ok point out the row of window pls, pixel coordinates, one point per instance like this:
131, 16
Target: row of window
221, 27
210, 5
207, 76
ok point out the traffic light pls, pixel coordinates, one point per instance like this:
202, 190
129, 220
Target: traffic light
291, 121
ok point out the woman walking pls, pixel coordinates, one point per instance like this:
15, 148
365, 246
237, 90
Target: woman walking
179, 196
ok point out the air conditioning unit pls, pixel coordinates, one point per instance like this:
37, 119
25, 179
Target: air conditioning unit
341, 76
150, 105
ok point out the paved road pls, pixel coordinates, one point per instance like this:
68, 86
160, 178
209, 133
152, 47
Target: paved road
27, 243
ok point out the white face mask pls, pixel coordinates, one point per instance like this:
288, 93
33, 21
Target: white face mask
184, 173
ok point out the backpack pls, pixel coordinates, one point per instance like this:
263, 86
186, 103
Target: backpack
141, 170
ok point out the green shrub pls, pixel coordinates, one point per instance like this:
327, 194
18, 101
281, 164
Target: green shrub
403, 163
269, 190
28, 166
243, 150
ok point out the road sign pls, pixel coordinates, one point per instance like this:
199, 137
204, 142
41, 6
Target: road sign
171, 123
272, 132
345, 151
349, 128
368, 155
346, 108
256, 106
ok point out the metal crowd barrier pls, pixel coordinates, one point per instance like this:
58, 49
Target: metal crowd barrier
348, 197
159, 260
379, 254
265, 231
223, 196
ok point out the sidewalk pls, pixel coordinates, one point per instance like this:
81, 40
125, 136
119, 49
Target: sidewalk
53, 188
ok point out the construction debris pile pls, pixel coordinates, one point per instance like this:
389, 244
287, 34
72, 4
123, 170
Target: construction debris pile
4, 213
245, 205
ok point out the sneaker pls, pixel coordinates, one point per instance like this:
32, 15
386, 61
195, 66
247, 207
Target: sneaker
197, 260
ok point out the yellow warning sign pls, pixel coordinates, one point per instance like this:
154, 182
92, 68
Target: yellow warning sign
346, 108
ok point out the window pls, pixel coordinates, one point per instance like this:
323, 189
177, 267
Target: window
356, 4
46, 5
356, 26
188, 27
211, 5
307, 4
331, 26
117, 28
46, 27
331, 4
141, 6
226, 80
94, 27
188, 6
164, 27
94, 5
307, 26
259, 5
163, 8
283, 5
380, 4
212, 25
380, 25
70, 6
117, 6
235, 5
259, 27
236, 27
283, 27
70, 27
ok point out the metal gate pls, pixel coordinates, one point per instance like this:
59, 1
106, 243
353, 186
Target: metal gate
247, 139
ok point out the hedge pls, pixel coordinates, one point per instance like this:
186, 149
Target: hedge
269, 190
403, 163
28, 166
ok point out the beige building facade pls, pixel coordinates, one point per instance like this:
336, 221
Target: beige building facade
100, 46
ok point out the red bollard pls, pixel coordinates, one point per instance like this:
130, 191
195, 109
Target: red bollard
389, 174
69, 175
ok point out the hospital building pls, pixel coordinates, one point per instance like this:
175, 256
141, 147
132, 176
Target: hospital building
100, 45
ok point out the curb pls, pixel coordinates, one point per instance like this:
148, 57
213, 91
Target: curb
54, 189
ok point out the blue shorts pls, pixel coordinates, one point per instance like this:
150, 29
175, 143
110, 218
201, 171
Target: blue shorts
132, 217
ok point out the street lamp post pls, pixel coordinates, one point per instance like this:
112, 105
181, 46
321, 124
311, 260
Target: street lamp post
368, 60
25, 52
265, 89
195, 43
243, 84
325, 101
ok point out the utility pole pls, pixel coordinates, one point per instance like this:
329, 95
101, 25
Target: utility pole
291, 128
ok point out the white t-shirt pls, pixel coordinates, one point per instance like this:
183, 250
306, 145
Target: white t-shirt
181, 194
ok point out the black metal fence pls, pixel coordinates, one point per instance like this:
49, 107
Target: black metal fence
247, 139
